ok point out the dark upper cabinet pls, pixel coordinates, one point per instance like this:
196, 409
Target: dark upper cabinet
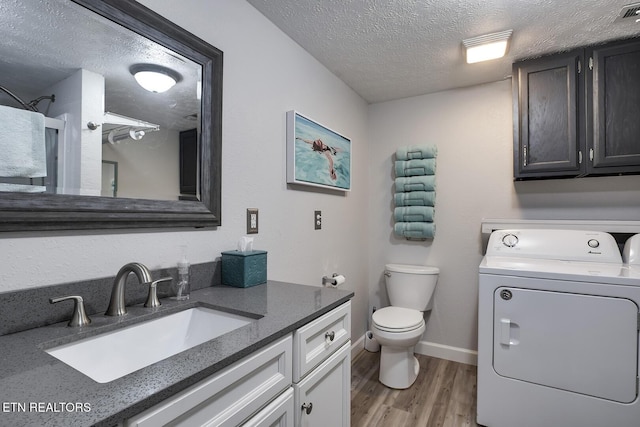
548, 125
614, 131
578, 113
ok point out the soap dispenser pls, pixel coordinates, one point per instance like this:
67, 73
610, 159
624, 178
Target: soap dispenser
183, 286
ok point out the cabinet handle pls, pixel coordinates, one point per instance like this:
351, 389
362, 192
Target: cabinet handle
330, 336
307, 407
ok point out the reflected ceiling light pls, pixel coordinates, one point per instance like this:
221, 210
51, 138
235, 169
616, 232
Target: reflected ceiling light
489, 46
155, 78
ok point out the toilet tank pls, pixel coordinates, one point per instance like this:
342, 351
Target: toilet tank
411, 286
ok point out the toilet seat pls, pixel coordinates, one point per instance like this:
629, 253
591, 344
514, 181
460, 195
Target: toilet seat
397, 319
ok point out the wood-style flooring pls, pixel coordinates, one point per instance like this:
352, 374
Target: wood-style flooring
444, 395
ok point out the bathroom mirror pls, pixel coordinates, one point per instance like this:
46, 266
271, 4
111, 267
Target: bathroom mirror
119, 122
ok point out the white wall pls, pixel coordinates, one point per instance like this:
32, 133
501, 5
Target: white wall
472, 128
81, 100
265, 74
148, 168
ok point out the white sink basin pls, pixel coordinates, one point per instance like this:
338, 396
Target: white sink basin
117, 353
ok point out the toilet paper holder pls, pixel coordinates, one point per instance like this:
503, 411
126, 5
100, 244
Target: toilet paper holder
330, 280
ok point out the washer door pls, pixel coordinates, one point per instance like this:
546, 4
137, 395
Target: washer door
580, 343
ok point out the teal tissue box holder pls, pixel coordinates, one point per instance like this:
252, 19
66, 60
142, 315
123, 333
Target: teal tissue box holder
244, 269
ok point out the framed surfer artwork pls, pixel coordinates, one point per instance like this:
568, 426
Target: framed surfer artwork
317, 155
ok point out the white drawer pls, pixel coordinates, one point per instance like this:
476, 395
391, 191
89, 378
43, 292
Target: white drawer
317, 340
278, 413
228, 397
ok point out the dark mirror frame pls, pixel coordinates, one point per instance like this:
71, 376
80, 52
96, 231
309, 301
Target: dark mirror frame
29, 212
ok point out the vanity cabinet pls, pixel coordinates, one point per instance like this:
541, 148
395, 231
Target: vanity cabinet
576, 113
228, 397
261, 389
322, 370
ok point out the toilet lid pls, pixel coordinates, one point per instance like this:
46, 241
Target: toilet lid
397, 318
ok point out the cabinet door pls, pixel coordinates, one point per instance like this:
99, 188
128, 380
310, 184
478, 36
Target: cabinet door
548, 95
278, 413
615, 108
323, 398
227, 397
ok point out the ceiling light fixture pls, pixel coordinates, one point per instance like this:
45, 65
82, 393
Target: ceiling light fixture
489, 46
155, 78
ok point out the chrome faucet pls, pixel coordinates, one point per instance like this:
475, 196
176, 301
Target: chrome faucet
116, 304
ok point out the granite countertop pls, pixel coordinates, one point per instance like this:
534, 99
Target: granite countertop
37, 389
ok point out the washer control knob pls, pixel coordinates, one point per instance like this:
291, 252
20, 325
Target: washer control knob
593, 243
509, 240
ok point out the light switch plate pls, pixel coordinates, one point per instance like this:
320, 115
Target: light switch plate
317, 220
252, 221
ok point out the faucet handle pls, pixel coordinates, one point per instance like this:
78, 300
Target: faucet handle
152, 297
80, 317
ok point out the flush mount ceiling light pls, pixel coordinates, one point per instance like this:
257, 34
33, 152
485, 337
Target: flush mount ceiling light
155, 78
489, 46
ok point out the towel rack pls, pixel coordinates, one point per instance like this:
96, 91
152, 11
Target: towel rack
417, 164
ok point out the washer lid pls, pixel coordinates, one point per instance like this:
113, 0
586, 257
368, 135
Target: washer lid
399, 318
412, 269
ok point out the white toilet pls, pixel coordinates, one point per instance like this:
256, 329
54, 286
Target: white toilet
398, 328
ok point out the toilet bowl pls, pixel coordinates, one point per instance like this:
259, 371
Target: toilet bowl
399, 327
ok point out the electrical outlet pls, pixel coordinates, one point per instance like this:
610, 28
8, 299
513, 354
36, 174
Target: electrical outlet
252, 221
317, 220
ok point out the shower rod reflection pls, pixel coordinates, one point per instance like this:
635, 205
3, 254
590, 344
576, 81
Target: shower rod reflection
31, 105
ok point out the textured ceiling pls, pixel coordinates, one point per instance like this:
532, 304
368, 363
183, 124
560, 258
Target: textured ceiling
391, 49
45, 41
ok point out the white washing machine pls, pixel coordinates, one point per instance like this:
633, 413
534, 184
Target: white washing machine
558, 323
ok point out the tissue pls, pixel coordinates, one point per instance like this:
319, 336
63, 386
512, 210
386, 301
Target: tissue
245, 244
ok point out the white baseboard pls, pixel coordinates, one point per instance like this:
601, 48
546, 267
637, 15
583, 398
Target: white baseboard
357, 346
441, 351
456, 354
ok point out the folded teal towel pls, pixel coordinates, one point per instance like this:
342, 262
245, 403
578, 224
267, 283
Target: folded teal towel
415, 230
416, 152
416, 183
413, 214
416, 198
415, 167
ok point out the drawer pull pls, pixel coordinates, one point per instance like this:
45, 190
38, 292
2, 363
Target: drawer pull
330, 336
307, 407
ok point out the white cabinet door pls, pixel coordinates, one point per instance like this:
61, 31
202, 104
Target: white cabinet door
228, 397
323, 397
278, 413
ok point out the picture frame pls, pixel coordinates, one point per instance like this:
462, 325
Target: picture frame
317, 155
